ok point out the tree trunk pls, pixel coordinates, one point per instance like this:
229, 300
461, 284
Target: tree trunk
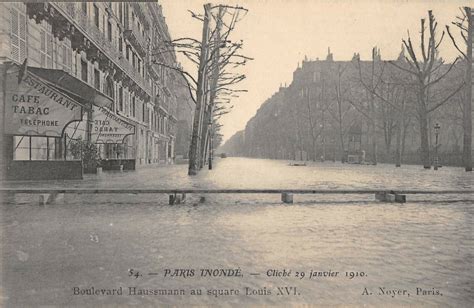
373, 135
425, 149
372, 110
398, 151
195, 147
341, 139
467, 116
404, 135
400, 127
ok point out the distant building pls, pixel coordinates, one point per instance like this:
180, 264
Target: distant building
97, 56
325, 114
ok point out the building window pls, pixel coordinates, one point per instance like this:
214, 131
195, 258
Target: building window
121, 12
139, 66
97, 79
84, 7
133, 105
127, 52
46, 49
144, 112
120, 99
18, 35
84, 70
74, 63
126, 15
109, 87
96, 15
109, 31
66, 55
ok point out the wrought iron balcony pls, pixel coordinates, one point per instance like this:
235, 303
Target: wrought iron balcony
136, 39
102, 44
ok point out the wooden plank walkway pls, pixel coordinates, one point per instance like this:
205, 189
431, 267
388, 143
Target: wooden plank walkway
226, 191
177, 196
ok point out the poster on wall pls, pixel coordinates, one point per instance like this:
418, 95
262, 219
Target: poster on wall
33, 107
108, 127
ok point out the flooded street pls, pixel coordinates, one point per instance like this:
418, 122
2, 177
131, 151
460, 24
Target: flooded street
324, 250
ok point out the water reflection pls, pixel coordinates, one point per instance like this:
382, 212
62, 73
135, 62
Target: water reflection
93, 240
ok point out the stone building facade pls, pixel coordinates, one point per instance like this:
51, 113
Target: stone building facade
325, 114
98, 55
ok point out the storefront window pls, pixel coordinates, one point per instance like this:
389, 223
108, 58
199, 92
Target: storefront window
36, 148
21, 151
39, 148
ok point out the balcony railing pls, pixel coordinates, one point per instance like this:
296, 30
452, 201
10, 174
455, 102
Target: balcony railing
89, 29
134, 36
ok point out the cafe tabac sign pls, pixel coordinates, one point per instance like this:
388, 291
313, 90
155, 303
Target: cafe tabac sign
109, 127
36, 108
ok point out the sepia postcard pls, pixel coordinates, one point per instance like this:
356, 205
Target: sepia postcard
253, 153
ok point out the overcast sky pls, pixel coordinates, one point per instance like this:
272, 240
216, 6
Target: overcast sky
279, 33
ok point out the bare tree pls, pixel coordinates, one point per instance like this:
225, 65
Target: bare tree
371, 85
426, 72
314, 132
465, 25
216, 58
341, 107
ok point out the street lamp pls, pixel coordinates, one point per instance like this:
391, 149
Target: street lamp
323, 145
210, 143
437, 127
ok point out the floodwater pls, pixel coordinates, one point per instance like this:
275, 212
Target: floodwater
361, 252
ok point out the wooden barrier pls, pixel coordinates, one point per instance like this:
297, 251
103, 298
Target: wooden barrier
177, 196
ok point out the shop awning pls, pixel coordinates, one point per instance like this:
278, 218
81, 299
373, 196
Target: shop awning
75, 87
109, 127
35, 107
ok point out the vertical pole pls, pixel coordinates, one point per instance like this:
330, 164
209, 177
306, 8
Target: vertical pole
214, 82
194, 150
323, 138
5, 146
65, 147
467, 138
210, 148
372, 110
436, 152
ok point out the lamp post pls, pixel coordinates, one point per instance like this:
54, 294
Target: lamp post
210, 143
437, 127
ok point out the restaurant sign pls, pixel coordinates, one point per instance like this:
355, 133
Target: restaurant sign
108, 127
36, 108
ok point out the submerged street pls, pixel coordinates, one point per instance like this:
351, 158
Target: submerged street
183, 153
424, 246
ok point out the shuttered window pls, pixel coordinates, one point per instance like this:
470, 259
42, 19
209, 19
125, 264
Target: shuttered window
66, 55
18, 35
46, 49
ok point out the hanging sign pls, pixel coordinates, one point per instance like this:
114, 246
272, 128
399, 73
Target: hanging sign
108, 127
33, 107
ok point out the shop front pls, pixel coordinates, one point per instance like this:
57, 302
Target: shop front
113, 134
39, 107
